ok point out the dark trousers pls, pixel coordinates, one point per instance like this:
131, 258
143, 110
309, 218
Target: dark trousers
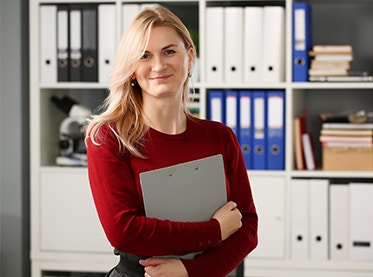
128, 266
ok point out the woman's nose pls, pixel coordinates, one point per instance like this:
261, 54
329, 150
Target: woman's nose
158, 63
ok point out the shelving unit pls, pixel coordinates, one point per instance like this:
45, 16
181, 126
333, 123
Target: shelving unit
65, 232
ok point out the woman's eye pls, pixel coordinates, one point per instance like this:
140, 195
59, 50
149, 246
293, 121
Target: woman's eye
145, 56
170, 51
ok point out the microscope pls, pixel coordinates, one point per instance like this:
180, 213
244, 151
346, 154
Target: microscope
71, 132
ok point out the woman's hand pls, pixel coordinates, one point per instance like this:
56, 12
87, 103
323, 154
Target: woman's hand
164, 267
229, 218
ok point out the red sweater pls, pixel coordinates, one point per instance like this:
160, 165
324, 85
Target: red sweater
114, 180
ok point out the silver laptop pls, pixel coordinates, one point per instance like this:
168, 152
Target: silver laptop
186, 192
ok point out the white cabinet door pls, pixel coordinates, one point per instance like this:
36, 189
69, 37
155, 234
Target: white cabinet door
69, 221
269, 198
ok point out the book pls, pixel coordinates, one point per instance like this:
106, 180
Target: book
346, 145
341, 78
313, 53
330, 64
299, 128
348, 126
349, 132
328, 72
309, 152
353, 139
333, 58
332, 48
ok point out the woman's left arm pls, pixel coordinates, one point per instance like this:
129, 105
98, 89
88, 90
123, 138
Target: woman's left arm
222, 260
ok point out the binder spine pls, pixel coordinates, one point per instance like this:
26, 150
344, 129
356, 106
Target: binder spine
89, 43
245, 127
259, 130
63, 43
301, 40
275, 130
216, 105
75, 43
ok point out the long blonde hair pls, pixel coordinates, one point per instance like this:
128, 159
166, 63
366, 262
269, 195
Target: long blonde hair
122, 109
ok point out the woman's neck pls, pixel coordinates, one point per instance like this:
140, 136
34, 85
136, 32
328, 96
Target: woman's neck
167, 119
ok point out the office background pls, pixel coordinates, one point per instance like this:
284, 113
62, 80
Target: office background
14, 139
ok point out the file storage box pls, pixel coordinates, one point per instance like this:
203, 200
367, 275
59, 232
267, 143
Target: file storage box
347, 158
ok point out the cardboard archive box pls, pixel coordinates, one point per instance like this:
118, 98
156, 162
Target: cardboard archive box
347, 158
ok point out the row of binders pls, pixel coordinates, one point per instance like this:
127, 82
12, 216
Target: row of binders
257, 117
245, 44
331, 221
76, 42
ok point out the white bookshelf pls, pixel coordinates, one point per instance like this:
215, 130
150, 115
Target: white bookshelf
65, 231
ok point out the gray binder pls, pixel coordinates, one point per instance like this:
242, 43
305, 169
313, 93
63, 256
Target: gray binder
187, 192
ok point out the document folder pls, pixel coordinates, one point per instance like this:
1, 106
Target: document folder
89, 43
62, 43
259, 130
106, 41
302, 41
186, 192
129, 10
339, 222
300, 219
232, 110
48, 44
75, 44
245, 126
216, 105
275, 130
233, 45
273, 62
253, 26
319, 218
214, 44
361, 221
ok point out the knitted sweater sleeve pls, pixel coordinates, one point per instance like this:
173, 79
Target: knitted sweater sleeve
121, 211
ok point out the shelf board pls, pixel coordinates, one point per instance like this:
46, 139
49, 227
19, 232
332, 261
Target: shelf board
310, 264
332, 85
74, 85
245, 85
331, 174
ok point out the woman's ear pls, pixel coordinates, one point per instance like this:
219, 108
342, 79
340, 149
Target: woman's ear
191, 58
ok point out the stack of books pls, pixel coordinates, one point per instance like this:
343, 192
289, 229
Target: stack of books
346, 135
333, 63
347, 146
330, 60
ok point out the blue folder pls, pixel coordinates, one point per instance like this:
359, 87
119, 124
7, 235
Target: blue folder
232, 110
259, 129
275, 126
245, 126
216, 105
301, 41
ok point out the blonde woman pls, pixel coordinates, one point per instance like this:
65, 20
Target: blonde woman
146, 125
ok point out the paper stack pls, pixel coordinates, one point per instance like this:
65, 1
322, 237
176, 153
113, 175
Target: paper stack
332, 63
330, 60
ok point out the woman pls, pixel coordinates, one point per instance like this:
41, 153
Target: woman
146, 125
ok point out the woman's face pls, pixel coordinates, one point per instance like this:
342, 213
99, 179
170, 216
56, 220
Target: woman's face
164, 67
